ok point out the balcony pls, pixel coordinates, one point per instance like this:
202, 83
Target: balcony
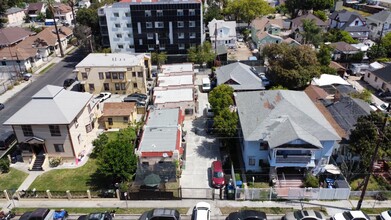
293, 159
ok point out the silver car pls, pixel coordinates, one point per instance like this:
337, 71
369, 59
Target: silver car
304, 215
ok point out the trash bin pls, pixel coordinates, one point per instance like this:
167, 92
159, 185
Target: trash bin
239, 183
230, 192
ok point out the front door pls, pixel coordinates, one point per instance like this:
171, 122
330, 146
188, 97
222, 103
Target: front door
38, 149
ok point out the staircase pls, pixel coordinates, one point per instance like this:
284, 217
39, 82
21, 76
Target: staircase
39, 160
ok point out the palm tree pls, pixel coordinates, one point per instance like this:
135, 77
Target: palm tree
50, 4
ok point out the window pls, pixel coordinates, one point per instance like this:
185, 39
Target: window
92, 87
84, 75
150, 36
3, 63
101, 75
134, 74
120, 46
148, 24
191, 23
191, 12
162, 46
148, 13
128, 25
114, 75
251, 161
260, 163
130, 35
126, 119
123, 86
117, 25
110, 121
27, 130
108, 75
116, 14
59, 148
159, 24
131, 46
355, 23
55, 130
119, 35
140, 41
263, 145
79, 138
151, 46
121, 75
368, 75
179, 12
181, 35
88, 128
192, 35
375, 78
117, 86
139, 74
181, 24
127, 14
181, 46
193, 45
106, 86
159, 13
134, 85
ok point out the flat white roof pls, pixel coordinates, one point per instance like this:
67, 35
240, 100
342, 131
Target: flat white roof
111, 60
327, 79
173, 95
176, 68
175, 80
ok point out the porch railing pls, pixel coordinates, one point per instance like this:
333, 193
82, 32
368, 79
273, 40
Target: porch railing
293, 158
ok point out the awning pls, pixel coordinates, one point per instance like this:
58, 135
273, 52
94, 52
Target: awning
330, 168
34, 140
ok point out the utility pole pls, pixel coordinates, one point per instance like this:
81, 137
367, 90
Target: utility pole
378, 44
374, 156
51, 8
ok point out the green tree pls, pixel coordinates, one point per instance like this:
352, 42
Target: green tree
50, 6
3, 8
377, 51
225, 123
328, 70
321, 14
295, 6
312, 33
48, 14
324, 55
221, 97
336, 35
4, 165
386, 42
159, 58
213, 12
99, 144
292, 67
248, 10
88, 17
82, 33
282, 9
365, 95
41, 16
201, 54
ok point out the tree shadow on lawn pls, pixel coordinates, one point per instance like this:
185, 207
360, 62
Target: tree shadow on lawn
99, 182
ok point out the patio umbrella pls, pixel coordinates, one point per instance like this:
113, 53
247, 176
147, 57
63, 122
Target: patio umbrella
152, 180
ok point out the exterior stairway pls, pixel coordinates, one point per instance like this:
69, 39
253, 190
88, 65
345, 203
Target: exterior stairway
283, 186
39, 160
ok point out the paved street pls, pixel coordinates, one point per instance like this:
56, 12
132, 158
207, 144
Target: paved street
54, 76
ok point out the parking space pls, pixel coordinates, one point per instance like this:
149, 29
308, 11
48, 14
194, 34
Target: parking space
201, 150
242, 52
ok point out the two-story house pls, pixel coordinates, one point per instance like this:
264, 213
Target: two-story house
379, 79
222, 33
282, 129
15, 16
63, 13
378, 23
35, 9
55, 123
297, 25
265, 31
114, 72
351, 22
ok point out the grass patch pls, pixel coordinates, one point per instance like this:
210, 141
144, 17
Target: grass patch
258, 184
374, 211
267, 210
173, 187
20, 211
12, 179
362, 13
79, 179
47, 68
112, 135
373, 184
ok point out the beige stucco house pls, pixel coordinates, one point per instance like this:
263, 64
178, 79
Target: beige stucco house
15, 16
119, 115
55, 123
114, 72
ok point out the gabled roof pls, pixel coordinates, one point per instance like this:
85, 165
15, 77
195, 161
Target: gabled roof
242, 74
62, 8
336, 66
219, 24
18, 53
47, 37
261, 23
13, 10
344, 47
264, 114
12, 35
51, 105
344, 15
299, 20
34, 7
263, 34
118, 108
381, 17
384, 74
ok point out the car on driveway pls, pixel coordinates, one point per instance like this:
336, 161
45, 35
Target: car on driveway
201, 211
304, 215
386, 215
247, 215
351, 215
161, 214
218, 179
1, 106
138, 95
139, 101
103, 96
27, 76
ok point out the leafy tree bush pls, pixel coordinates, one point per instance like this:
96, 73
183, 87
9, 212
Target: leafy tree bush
221, 97
55, 161
336, 35
311, 181
321, 14
4, 165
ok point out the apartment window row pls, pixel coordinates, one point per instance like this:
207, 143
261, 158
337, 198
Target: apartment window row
112, 75
137, 74
181, 24
121, 46
116, 14
160, 24
159, 13
182, 35
118, 25
153, 46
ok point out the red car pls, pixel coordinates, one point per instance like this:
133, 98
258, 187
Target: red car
218, 179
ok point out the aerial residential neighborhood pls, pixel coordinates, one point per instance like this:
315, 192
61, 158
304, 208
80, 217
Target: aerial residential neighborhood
195, 109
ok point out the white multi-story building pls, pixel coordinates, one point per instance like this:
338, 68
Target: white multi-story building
222, 33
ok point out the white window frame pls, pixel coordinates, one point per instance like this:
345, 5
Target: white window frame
150, 36
192, 23
159, 13
181, 35
159, 24
191, 12
192, 35
148, 25
148, 13
179, 12
181, 24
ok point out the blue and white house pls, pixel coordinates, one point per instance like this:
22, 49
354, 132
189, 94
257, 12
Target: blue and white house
283, 128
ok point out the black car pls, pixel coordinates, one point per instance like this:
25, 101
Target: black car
97, 216
68, 82
246, 215
138, 100
138, 95
161, 213
7, 139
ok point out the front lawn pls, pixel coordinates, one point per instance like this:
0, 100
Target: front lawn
373, 184
12, 179
79, 179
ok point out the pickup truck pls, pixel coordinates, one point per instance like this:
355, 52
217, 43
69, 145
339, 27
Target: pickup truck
45, 214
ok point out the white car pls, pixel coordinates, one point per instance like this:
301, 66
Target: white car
103, 96
351, 215
201, 211
386, 215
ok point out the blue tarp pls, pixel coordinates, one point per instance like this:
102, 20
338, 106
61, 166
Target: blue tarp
59, 215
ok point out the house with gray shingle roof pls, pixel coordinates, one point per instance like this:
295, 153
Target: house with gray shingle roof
297, 25
351, 22
240, 77
56, 123
283, 128
377, 22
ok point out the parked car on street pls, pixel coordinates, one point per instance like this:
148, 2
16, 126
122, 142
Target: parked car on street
209, 112
247, 215
161, 214
304, 215
27, 76
44, 214
386, 215
138, 95
7, 140
1, 106
97, 216
201, 211
103, 96
218, 179
68, 82
351, 215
